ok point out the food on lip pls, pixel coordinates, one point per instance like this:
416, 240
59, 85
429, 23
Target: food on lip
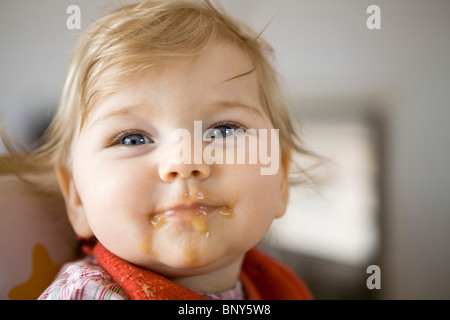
196, 215
157, 221
226, 212
199, 224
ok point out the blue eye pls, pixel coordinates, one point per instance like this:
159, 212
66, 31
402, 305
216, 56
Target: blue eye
132, 139
135, 140
223, 130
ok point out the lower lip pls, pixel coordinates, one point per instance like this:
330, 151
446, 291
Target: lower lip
197, 217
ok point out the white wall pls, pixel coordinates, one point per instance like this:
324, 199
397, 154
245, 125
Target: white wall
323, 48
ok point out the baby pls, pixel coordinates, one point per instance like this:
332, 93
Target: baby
157, 220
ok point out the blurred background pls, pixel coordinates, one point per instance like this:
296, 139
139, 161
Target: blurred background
375, 102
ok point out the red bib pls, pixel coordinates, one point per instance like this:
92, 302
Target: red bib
262, 278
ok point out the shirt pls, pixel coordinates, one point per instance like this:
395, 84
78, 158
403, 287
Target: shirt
86, 280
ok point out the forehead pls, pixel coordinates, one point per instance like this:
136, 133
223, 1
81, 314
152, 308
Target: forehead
221, 71
215, 66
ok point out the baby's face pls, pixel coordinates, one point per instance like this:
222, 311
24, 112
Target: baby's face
134, 195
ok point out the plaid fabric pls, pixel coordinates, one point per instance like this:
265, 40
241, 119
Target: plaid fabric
83, 280
86, 280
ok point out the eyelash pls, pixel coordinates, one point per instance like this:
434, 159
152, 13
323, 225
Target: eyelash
232, 124
118, 139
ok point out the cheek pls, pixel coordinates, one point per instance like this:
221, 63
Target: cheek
107, 184
112, 193
258, 197
116, 201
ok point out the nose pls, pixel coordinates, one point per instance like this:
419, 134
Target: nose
171, 167
170, 171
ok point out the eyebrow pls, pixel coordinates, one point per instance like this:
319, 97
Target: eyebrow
221, 104
236, 105
125, 111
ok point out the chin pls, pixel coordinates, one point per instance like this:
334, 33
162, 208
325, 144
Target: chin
188, 265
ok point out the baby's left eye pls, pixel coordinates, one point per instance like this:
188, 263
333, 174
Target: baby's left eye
222, 130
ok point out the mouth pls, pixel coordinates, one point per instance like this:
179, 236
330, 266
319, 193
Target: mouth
183, 209
196, 214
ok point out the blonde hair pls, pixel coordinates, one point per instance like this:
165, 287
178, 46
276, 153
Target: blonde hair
136, 38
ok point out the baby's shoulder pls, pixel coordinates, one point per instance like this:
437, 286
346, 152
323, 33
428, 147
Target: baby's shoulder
83, 280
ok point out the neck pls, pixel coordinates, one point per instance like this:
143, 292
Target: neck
219, 280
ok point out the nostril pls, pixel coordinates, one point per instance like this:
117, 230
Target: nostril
172, 175
183, 172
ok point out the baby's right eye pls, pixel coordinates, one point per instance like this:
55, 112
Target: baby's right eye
135, 140
132, 138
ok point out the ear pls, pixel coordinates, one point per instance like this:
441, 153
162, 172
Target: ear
74, 206
285, 185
